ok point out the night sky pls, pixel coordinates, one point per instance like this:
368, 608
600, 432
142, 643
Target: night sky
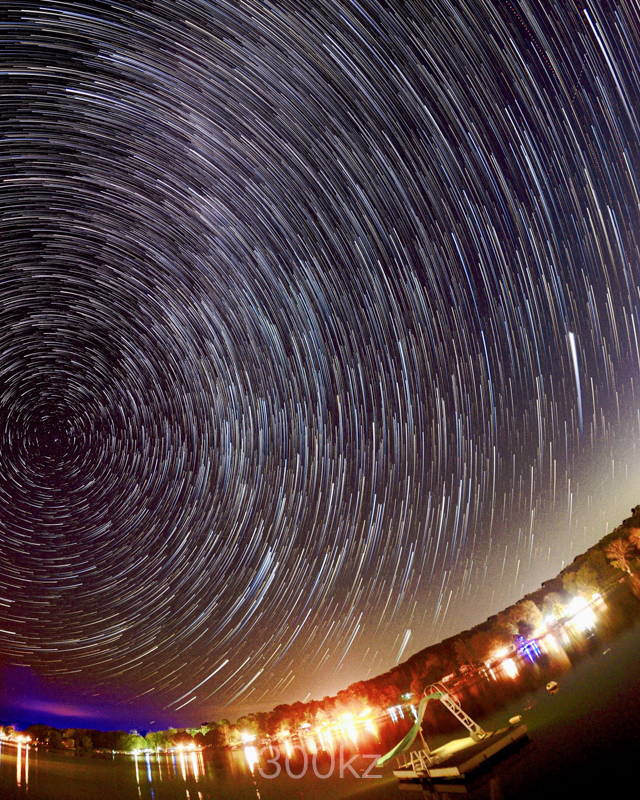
320, 336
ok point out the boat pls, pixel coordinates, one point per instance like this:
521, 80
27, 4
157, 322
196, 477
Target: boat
457, 758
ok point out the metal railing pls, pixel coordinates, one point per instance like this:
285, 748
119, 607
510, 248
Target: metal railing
417, 760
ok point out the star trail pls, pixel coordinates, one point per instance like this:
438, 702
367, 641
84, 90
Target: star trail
319, 333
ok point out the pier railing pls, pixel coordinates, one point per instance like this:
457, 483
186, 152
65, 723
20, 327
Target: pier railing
417, 760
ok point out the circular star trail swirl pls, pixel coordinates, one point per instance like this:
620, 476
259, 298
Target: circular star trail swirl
318, 322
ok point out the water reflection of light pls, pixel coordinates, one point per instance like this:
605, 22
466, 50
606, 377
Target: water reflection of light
183, 765
194, 764
510, 667
251, 754
19, 765
371, 727
326, 738
577, 604
149, 778
397, 711
348, 727
530, 650
310, 744
135, 761
584, 617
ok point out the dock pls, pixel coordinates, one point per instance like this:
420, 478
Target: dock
456, 759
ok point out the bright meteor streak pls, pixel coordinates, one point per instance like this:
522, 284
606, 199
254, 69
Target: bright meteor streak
574, 357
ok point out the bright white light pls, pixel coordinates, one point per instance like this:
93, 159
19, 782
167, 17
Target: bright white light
577, 604
510, 667
583, 616
251, 754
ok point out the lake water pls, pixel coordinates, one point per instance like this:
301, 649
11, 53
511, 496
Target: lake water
225, 774
582, 743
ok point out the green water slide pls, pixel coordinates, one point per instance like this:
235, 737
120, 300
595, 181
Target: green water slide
434, 692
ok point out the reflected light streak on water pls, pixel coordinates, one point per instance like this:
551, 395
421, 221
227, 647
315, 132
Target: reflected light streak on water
183, 765
191, 762
251, 754
194, 764
585, 620
353, 734
326, 738
135, 761
149, 777
510, 667
347, 726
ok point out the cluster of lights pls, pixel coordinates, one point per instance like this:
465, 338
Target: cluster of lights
395, 712
579, 613
582, 614
16, 738
179, 748
347, 725
189, 762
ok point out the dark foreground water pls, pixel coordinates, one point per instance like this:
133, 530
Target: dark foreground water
584, 743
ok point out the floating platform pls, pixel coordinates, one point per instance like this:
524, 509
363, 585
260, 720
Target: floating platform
456, 759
